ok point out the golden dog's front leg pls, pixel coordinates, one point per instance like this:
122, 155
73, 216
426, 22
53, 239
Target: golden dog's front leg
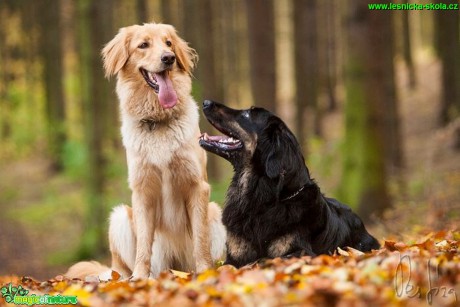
145, 184
198, 213
144, 225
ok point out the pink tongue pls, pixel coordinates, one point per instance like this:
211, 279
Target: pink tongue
167, 94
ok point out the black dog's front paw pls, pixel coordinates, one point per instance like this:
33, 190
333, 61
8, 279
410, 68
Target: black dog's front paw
299, 254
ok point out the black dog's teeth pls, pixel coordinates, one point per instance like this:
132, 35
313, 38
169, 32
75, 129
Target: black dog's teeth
220, 139
229, 141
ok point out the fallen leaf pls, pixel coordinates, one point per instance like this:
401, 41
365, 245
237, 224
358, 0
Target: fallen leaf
180, 274
342, 252
115, 275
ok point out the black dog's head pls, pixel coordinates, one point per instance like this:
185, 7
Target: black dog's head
253, 137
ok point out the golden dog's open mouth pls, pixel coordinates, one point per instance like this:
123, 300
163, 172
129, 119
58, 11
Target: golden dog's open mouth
150, 79
162, 85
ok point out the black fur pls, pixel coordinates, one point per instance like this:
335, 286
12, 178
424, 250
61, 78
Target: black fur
273, 207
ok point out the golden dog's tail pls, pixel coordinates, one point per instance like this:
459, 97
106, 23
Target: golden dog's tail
83, 269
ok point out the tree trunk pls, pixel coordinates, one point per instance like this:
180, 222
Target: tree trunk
407, 48
171, 11
95, 31
331, 54
382, 46
142, 11
5, 127
364, 179
306, 67
448, 47
52, 56
260, 18
231, 43
209, 85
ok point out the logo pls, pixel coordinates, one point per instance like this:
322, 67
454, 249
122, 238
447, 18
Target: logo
18, 295
405, 287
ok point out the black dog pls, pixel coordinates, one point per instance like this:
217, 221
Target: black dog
273, 207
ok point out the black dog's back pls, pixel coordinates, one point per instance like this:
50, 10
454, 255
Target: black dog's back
357, 237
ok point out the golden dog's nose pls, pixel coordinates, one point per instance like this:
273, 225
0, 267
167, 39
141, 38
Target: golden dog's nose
168, 58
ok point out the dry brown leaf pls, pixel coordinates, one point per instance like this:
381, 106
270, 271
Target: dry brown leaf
180, 274
115, 275
350, 278
342, 252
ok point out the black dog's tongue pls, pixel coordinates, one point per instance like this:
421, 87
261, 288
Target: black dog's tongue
166, 94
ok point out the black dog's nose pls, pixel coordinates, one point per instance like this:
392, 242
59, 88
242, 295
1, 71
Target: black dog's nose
207, 104
168, 58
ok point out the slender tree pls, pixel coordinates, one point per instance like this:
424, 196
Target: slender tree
331, 53
407, 48
364, 179
171, 13
382, 43
142, 11
166, 11
260, 19
231, 74
448, 48
95, 30
5, 127
52, 57
306, 66
209, 85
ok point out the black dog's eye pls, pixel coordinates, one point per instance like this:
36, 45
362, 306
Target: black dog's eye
143, 45
168, 43
246, 114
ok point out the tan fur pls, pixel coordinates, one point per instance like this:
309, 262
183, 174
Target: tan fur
168, 223
86, 268
280, 246
237, 247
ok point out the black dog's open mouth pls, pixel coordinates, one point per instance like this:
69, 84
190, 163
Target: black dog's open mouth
221, 142
150, 79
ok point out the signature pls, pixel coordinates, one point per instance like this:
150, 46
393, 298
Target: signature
404, 286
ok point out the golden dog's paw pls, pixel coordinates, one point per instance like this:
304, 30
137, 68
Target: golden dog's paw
202, 266
139, 274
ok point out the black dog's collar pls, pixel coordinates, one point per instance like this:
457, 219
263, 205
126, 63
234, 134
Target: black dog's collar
151, 124
294, 194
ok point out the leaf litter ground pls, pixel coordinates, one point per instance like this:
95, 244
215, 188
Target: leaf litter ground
399, 274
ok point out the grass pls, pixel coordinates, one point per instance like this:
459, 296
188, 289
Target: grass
219, 190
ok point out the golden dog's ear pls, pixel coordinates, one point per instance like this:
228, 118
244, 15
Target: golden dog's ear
186, 55
115, 53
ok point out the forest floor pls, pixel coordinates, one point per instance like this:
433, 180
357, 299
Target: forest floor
35, 242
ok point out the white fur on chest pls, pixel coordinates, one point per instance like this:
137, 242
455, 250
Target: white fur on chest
157, 146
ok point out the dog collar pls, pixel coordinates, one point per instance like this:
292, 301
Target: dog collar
294, 194
151, 124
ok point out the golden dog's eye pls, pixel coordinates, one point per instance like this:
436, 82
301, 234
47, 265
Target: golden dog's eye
143, 45
168, 43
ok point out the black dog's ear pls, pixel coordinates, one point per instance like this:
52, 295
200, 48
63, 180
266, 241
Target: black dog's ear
273, 165
274, 150
279, 150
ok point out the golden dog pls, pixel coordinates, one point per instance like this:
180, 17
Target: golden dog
171, 224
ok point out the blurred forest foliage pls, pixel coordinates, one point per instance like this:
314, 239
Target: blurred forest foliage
373, 97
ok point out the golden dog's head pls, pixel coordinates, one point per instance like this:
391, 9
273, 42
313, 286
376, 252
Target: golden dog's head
154, 57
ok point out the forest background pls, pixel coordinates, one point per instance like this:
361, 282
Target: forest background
373, 97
